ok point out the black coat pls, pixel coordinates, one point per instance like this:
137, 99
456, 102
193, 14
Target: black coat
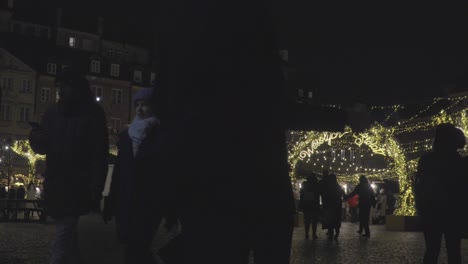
366, 195
76, 148
139, 192
440, 185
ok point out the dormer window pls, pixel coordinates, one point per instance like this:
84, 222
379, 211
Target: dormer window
137, 76
72, 42
95, 66
115, 70
51, 68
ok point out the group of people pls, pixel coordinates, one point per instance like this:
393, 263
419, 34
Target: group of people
328, 209
9, 199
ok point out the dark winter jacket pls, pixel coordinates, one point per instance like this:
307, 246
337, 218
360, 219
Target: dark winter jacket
138, 191
76, 147
439, 188
366, 195
332, 195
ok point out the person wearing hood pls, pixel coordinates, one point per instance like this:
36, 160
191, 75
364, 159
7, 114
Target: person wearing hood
439, 193
73, 135
138, 191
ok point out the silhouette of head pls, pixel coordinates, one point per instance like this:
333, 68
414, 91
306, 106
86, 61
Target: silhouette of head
72, 86
312, 178
363, 179
448, 138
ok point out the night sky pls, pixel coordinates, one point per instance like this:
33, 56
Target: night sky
371, 53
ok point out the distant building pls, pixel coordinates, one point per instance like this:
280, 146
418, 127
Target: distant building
35, 46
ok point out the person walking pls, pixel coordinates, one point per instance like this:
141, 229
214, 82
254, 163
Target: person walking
439, 194
310, 204
138, 191
30, 195
353, 208
73, 135
366, 201
332, 197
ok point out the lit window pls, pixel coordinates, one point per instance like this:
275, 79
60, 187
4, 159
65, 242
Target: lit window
310, 94
45, 95
116, 96
137, 76
24, 114
72, 42
5, 112
115, 70
51, 68
95, 66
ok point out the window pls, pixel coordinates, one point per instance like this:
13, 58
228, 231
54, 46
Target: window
95, 66
309, 94
110, 52
7, 83
72, 42
116, 96
24, 114
87, 44
27, 85
51, 68
115, 124
137, 76
45, 95
5, 112
300, 93
115, 70
64, 66
153, 78
97, 92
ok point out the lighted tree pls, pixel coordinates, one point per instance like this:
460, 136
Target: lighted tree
22, 148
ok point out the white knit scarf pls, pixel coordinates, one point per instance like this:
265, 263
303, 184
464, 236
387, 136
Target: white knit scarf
138, 129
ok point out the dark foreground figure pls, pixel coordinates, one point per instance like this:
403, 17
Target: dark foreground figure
440, 193
225, 112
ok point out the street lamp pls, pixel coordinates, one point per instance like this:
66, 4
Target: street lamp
7, 147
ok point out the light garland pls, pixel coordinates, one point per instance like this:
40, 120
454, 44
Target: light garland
22, 148
408, 138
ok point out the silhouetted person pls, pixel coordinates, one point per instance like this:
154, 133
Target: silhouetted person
138, 191
332, 197
20, 195
3, 203
12, 203
439, 194
310, 204
224, 100
353, 207
366, 200
73, 136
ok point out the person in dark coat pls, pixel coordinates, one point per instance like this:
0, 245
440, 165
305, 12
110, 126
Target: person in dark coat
366, 201
223, 100
332, 197
138, 191
439, 193
73, 135
310, 204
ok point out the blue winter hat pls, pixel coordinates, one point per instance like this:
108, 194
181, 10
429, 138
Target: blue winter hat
144, 94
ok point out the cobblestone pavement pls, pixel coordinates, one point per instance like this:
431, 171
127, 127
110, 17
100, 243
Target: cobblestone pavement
29, 243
